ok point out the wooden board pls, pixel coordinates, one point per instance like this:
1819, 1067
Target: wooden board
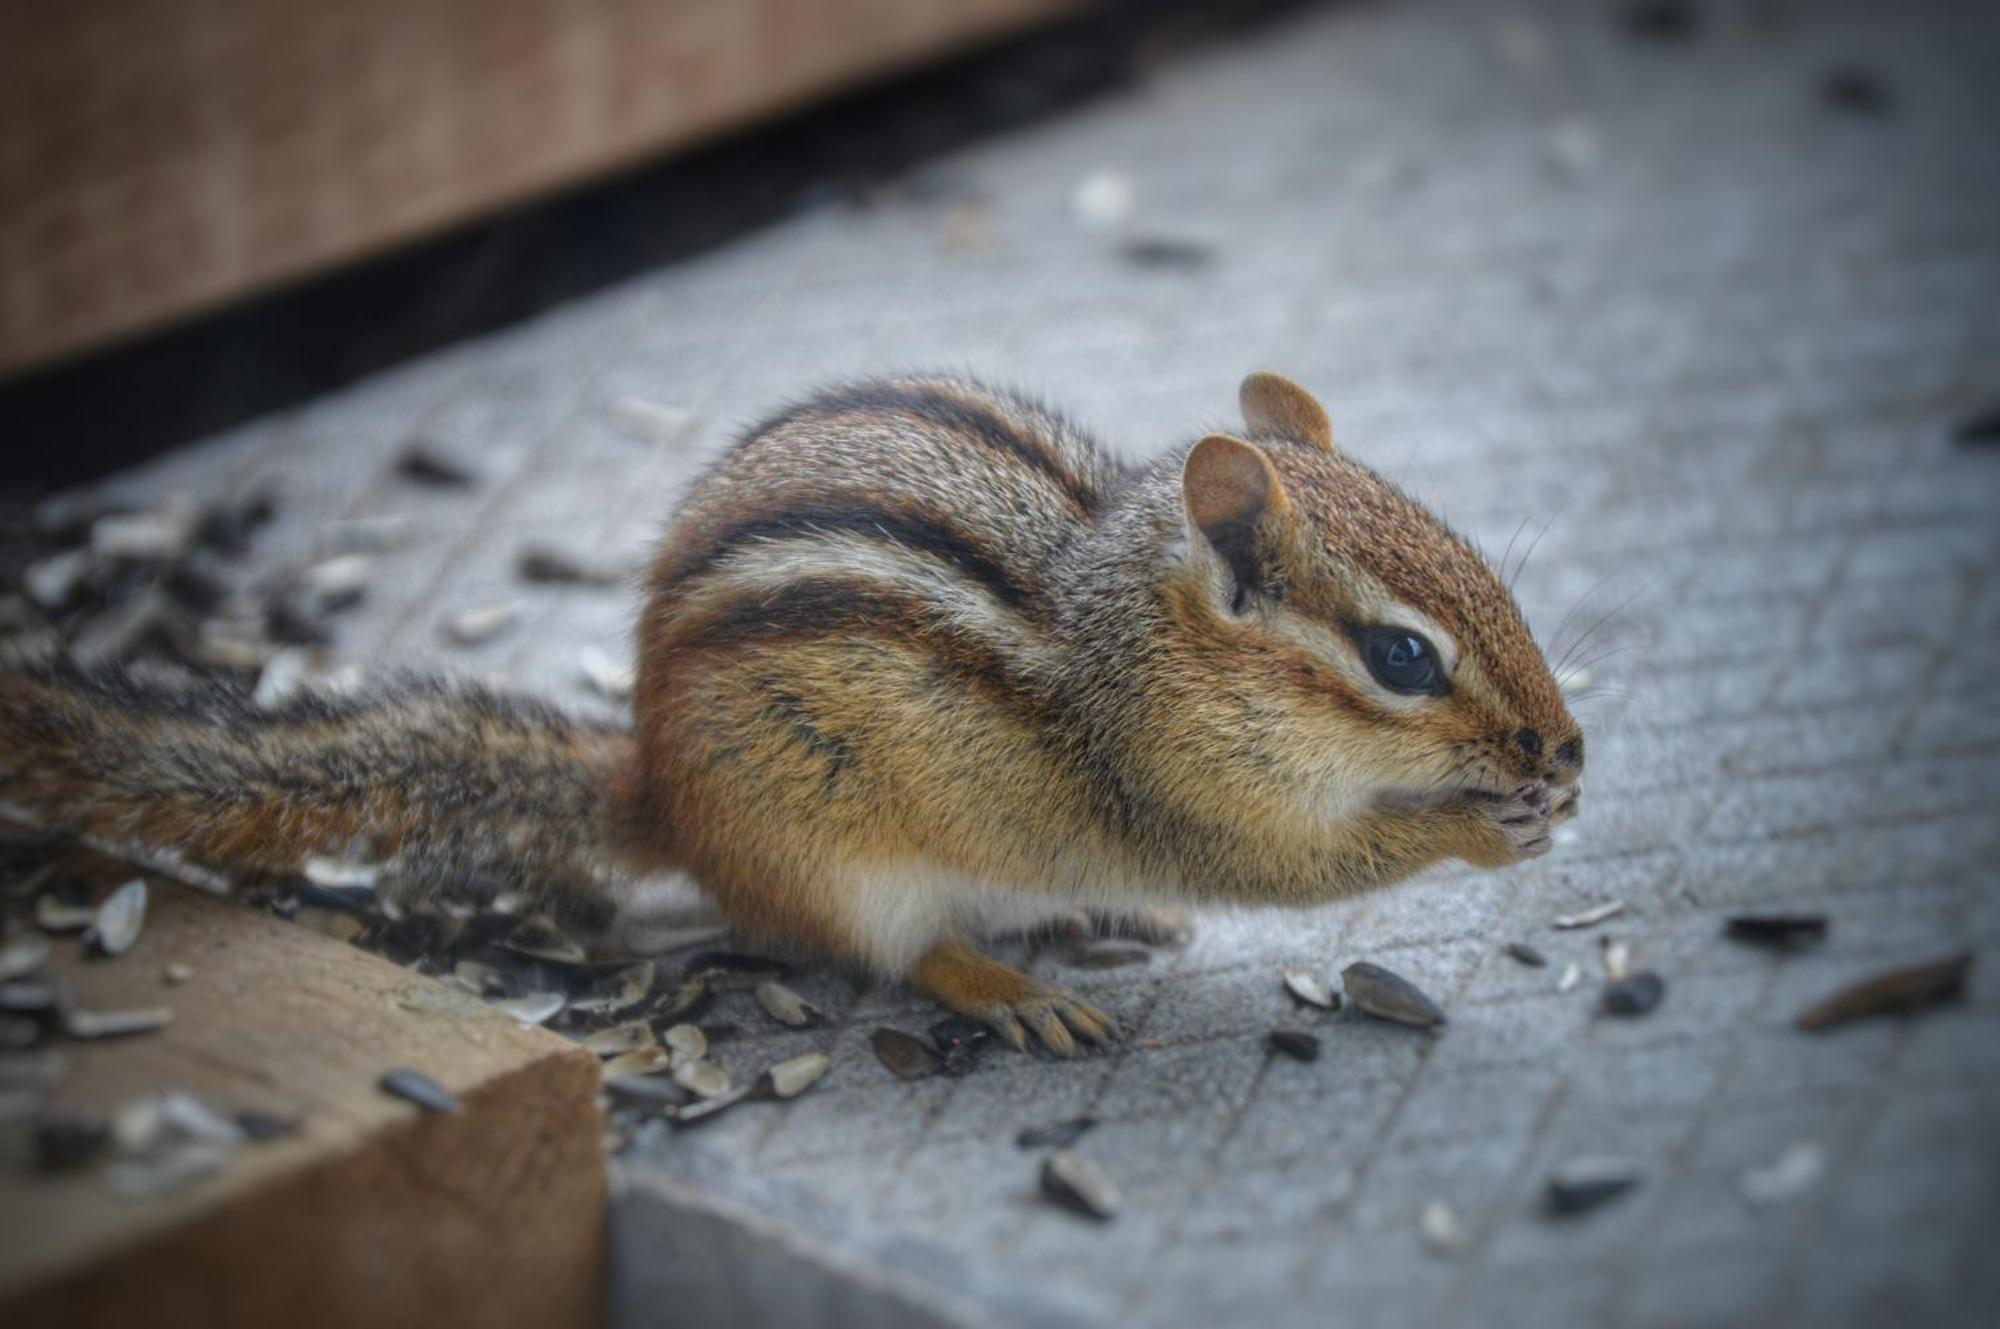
374, 1213
157, 159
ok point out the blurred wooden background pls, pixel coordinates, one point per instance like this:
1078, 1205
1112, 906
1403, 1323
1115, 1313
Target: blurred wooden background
161, 157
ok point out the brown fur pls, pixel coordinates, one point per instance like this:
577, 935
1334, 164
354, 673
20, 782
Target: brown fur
918, 660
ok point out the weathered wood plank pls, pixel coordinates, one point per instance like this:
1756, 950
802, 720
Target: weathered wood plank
373, 1213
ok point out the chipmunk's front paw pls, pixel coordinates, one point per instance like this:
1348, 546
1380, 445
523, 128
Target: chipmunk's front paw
1507, 828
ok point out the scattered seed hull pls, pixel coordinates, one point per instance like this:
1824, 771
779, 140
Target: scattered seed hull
1310, 990
907, 1056
1389, 996
1898, 992
1527, 954
1055, 1135
790, 1078
1294, 1043
115, 929
1079, 1185
1637, 995
1590, 917
786, 1006
1782, 932
1583, 1184
420, 1089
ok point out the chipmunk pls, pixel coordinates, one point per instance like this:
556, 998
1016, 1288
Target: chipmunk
919, 663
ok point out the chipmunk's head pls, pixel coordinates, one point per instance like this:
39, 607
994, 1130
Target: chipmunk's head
1393, 658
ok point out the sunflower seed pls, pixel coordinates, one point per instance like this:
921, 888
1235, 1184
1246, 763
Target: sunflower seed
959, 1041
1617, 957
1789, 1176
1294, 1043
786, 1006
1389, 996
687, 1000
23, 956
1590, 917
611, 678
792, 1077
65, 1141
553, 567
185, 1117
177, 973
263, 1127
907, 1056
531, 1008
1572, 974
1057, 1134
1899, 991
54, 913
1783, 932
1636, 995
1441, 1230
1078, 1184
1310, 990
1582, 1184
31, 996
617, 993
159, 536
115, 928
474, 627
1168, 252
1981, 429
115, 1024
1527, 955
620, 1039
706, 1079
538, 939
54, 582
416, 1087
336, 583
686, 1043
427, 462
167, 1171
701, 1109
640, 1061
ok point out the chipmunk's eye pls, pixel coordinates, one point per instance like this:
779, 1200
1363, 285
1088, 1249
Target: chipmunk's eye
1401, 661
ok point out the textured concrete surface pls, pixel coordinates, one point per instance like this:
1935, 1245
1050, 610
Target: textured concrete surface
1656, 308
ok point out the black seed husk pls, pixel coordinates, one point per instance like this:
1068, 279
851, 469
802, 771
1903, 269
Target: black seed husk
1634, 995
261, 1127
906, 1055
68, 1140
1527, 954
416, 1087
1055, 1135
960, 1042
1583, 1184
1389, 996
1294, 1043
1784, 932
1980, 429
1165, 252
428, 464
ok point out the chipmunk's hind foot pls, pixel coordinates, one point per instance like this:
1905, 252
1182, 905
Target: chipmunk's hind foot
1012, 1003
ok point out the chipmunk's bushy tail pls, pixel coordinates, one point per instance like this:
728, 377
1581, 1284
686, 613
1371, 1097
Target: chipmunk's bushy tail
456, 791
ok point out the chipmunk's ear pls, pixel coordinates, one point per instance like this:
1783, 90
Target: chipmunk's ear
1235, 500
1273, 404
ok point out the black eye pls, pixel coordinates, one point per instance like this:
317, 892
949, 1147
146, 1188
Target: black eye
1401, 661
